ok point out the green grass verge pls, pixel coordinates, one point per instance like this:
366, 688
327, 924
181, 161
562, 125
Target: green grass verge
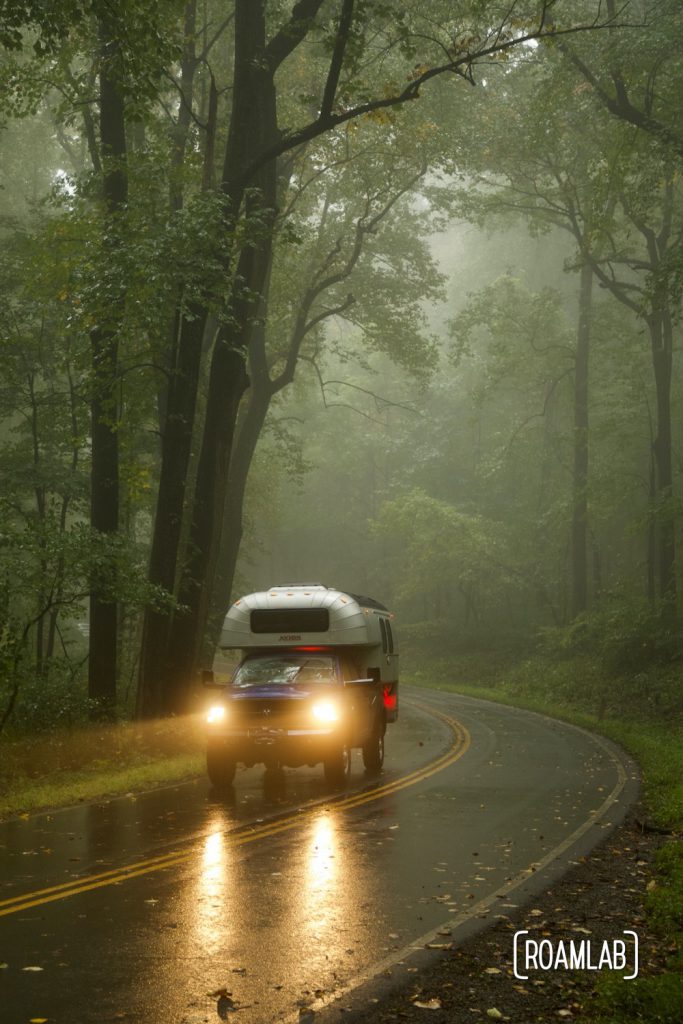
90, 762
73, 787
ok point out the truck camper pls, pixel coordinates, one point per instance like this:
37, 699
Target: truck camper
318, 677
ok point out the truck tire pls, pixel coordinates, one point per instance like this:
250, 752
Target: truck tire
337, 766
373, 750
219, 766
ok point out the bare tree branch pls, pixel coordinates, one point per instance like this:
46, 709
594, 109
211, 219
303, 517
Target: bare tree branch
290, 35
340, 42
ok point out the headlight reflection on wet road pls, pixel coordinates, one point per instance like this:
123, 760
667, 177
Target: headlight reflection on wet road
322, 859
210, 921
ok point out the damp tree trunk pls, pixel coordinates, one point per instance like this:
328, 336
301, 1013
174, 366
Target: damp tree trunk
579, 531
104, 404
655, 311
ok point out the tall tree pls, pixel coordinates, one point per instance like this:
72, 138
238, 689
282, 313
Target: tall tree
104, 338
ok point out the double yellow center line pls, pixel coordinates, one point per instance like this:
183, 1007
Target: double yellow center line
243, 835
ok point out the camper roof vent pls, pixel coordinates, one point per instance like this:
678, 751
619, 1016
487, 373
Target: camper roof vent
297, 586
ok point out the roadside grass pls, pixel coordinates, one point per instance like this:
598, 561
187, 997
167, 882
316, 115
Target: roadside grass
90, 761
656, 742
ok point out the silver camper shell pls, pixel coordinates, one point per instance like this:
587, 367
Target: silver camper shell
312, 615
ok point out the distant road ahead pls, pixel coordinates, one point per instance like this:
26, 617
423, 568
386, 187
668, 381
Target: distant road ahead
179, 905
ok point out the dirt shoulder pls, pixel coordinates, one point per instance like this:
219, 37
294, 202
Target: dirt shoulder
598, 899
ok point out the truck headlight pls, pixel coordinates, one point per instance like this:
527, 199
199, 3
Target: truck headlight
215, 714
326, 711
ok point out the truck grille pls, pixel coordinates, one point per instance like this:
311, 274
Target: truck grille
269, 714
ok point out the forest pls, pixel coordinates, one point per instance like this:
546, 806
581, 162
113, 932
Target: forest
383, 296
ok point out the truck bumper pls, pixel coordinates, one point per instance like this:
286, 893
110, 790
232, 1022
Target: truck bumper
292, 747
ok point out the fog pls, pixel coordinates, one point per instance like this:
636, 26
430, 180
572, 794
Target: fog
404, 327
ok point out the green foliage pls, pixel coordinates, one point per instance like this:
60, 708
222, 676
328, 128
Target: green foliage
665, 901
652, 1000
53, 700
441, 549
624, 637
41, 23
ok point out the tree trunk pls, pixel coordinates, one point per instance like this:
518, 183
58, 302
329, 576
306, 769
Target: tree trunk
231, 537
661, 336
104, 406
651, 543
188, 66
176, 447
579, 533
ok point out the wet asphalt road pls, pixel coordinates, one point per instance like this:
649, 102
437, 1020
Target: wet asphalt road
180, 905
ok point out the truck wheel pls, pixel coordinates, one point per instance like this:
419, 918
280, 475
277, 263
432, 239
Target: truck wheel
219, 766
338, 765
373, 750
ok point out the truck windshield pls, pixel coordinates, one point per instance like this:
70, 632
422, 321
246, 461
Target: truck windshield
285, 669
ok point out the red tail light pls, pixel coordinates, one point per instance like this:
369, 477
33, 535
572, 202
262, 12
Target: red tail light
390, 698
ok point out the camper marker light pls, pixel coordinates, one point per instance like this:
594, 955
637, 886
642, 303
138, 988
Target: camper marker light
215, 714
326, 711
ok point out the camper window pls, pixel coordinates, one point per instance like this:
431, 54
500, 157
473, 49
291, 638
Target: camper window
290, 620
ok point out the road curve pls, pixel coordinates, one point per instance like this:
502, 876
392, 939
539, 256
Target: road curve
181, 905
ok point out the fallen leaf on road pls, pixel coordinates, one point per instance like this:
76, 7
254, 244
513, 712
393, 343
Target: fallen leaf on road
438, 945
225, 1006
431, 1004
492, 970
494, 1014
32, 968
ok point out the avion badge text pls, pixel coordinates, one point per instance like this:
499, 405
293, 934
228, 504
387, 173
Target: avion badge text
575, 955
